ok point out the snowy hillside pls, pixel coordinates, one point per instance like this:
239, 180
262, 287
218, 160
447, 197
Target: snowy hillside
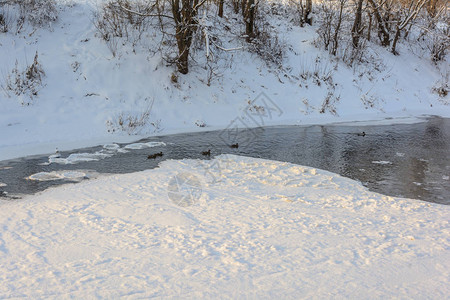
259, 230
90, 96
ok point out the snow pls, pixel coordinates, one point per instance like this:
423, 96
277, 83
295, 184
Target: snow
107, 151
77, 157
257, 229
230, 227
58, 175
382, 162
137, 146
89, 93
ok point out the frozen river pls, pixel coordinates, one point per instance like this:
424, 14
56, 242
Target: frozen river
405, 160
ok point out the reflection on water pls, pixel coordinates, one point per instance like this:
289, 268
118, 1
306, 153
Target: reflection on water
411, 160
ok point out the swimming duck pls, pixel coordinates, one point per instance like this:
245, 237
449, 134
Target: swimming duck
361, 134
208, 153
235, 145
154, 156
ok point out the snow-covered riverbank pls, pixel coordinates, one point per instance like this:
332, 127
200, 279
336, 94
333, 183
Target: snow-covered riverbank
88, 93
257, 229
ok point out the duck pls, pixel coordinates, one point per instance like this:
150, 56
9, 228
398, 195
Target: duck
154, 156
361, 134
234, 145
208, 153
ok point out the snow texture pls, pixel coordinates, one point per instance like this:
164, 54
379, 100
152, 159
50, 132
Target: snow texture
59, 175
259, 229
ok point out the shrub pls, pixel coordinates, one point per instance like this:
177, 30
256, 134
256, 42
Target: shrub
25, 83
39, 12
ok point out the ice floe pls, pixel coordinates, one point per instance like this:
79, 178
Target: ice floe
382, 162
107, 151
138, 146
59, 175
78, 157
111, 147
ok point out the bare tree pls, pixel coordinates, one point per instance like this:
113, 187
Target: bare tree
338, 27
330, 24
357, 24
184, 14
243, 6
304, 10
299, 9
404, 16
383, 32
220, 13
236, 6
249, 18
307, 12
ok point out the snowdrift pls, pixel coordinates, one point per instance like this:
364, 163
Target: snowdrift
252, 228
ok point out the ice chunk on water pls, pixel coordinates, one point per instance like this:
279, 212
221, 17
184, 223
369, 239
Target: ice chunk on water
382, 162
56, 155
138, 146
2, 184
78, 157
44, 176
107, 151
111, 147
58, 175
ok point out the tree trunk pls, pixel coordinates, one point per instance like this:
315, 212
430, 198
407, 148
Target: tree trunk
356, 29
185, 24
243, 7
183, 59
301, 11
307, 12
338, 28
220, 14
382, 32
249, 19
394, 42
236, 4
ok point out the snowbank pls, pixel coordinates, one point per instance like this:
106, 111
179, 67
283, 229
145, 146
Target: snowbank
256, 229
89, 93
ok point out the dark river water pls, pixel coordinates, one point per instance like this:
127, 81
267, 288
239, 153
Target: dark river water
407, 160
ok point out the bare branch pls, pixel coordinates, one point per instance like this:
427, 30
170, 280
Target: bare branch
199, 4
141, 14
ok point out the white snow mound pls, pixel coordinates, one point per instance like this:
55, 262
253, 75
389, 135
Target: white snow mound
258, 229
